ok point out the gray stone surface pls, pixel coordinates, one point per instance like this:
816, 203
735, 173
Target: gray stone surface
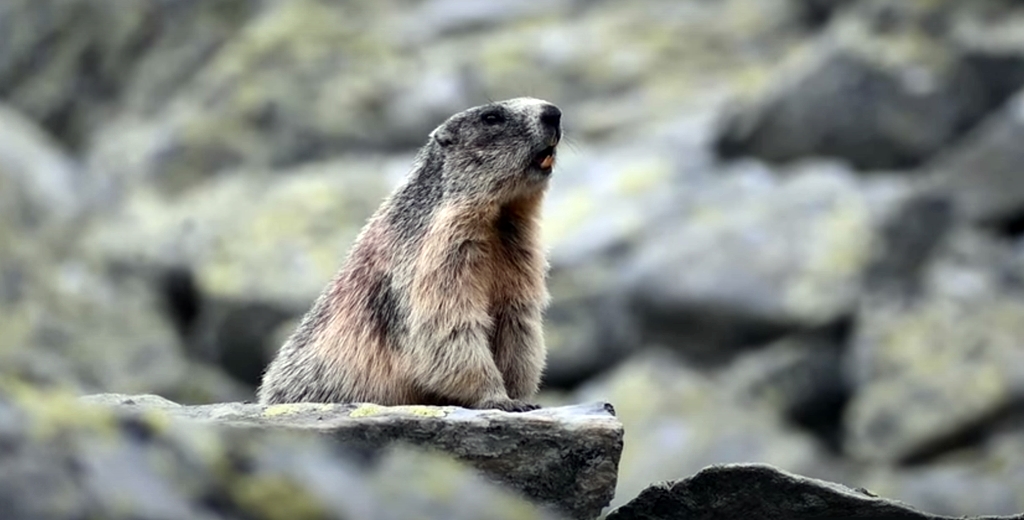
800, 377
565, 457
906, 87
938, 364
76, 323
735, 491
63, 459
263, 236
225, 152
67, 64
753, 254
982, 172
679, 420
39, 180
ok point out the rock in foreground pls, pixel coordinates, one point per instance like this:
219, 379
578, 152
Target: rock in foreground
61, 459
764, 493
563, 457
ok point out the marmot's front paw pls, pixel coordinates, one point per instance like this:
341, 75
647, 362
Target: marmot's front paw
508, 405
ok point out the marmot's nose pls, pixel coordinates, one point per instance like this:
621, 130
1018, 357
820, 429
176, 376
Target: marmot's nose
550, 116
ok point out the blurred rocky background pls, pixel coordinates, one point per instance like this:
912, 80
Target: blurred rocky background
781, 231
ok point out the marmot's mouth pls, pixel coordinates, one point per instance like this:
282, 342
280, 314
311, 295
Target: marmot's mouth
545, 159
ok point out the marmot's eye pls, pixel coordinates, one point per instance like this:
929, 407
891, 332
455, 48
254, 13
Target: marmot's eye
492, 117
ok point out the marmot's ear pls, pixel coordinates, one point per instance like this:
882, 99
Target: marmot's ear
444, 136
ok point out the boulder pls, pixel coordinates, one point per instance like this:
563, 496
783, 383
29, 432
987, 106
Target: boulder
564, 457
69, 65
246, 252
987, 35
755, 254
308, 80
934, 367
70, 319
587, 328
908, 237
763, 492
782, 405
982, 171
601, 199
983, 475
883, 87
252, 236
40, 183
63, 458
75, 324
680, 420
800, 378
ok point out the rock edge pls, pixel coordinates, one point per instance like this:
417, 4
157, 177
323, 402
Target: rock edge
565, 457
763, 492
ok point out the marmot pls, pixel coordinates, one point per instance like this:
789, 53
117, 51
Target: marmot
440, 299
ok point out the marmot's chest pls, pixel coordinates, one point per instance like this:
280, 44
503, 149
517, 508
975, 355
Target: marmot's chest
516, 272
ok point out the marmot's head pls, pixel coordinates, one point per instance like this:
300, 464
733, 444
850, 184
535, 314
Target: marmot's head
505, 148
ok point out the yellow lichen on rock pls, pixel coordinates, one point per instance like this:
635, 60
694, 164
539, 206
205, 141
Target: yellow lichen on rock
51, 412
366, 410
839, 252
369, 409
276, 498
425, 411
278, 410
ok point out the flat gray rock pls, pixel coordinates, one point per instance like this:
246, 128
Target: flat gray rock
761, 492
63, 459
566, 457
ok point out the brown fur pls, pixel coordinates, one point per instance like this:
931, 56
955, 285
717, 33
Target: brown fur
441, 298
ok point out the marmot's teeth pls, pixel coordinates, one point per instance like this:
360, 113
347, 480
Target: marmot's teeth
545, 158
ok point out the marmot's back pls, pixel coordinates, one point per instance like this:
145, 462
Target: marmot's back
440, 299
